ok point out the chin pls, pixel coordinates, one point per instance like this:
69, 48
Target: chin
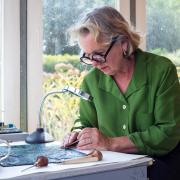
110, 73
107, 71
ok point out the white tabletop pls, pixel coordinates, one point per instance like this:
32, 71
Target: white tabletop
110, 160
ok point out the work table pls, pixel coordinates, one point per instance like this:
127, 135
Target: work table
113, 166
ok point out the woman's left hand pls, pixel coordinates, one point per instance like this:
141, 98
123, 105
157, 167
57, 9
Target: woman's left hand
92, 138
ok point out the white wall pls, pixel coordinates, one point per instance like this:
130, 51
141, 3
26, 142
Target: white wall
11, 62
141, 21
1, 60
124, 7
35, 61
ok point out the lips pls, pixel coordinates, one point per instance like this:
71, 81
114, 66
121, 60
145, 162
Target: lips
103, 68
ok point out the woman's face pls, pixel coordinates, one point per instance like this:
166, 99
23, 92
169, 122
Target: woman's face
114, 58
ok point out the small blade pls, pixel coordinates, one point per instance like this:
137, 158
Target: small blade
28, 168
74, 143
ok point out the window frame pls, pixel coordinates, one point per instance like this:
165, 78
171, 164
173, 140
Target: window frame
23, 65
22, 62
23, 37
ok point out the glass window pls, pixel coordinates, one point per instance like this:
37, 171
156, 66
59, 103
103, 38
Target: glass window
61, 64
163, 29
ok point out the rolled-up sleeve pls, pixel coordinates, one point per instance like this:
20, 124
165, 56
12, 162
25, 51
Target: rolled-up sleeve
88, 114
161, 137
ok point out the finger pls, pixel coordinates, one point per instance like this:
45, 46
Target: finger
83, 136
66, 139
69, 138
84, 142
84, 131
85, 147
73, 137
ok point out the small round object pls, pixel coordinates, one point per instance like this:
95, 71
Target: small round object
96, 153
41, 161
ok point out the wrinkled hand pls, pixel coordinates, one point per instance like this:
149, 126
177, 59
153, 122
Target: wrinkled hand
92, 138
69, 138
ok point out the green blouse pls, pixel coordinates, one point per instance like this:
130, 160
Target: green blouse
148, 112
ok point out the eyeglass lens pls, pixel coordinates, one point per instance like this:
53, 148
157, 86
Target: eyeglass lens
98, 57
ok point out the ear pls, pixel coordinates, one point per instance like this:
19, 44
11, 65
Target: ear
124, 45
125, 49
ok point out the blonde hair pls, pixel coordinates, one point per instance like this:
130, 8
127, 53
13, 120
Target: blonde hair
104, 23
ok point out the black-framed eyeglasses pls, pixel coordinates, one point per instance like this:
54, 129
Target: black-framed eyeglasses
98, 57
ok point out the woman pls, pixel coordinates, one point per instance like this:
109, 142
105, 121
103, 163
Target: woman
136, 94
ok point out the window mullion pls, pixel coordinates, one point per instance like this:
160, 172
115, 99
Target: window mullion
23, 65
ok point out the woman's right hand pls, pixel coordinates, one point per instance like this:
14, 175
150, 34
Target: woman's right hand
69, 138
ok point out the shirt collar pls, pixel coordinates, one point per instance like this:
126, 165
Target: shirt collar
139, 78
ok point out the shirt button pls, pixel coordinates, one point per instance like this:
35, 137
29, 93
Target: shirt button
124, 106
124, 127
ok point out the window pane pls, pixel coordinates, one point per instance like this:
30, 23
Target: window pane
61, 62
163, 29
